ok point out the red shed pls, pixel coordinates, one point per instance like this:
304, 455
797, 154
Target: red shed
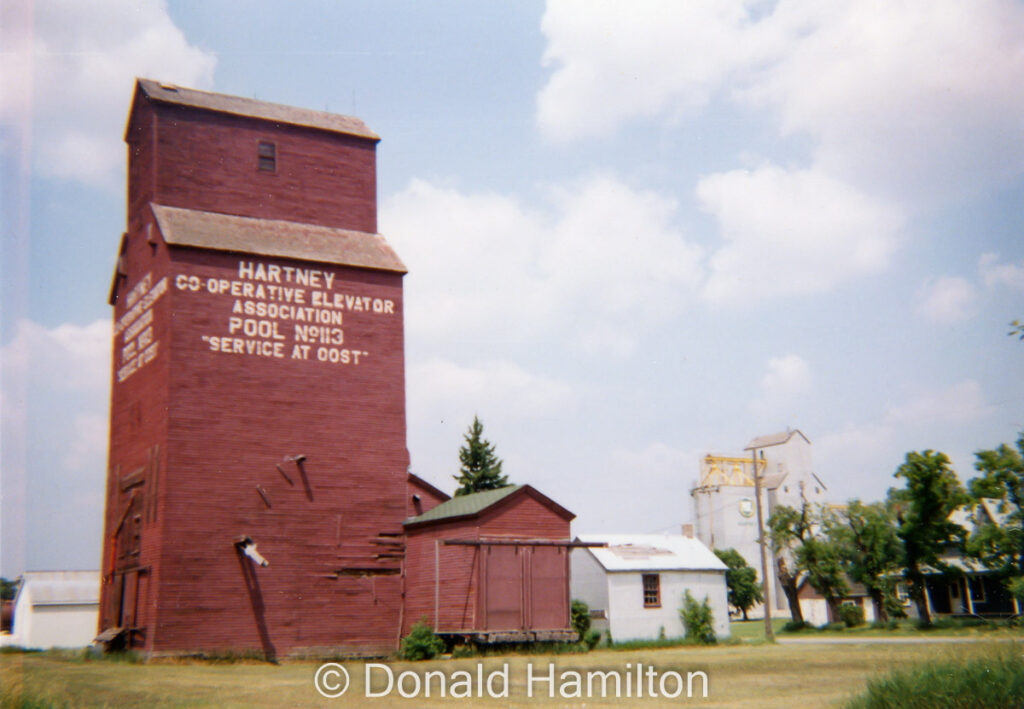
491, 567
257, 475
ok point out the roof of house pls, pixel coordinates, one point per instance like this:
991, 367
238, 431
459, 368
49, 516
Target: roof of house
774, 439
652, 552
424, 485
58, 588
275, 237
475, 503
251, 108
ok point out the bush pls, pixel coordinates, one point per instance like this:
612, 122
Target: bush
994, 681
579, 613
697, 620
592, 638
833, 626
421, 643
851, 615
460, 651
793, 626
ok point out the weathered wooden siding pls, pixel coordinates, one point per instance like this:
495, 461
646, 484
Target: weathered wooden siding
200, 433
208, 161
456, 604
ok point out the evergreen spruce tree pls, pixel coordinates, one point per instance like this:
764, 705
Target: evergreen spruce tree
480, 468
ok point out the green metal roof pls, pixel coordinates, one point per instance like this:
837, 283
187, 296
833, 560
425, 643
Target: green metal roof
465, 505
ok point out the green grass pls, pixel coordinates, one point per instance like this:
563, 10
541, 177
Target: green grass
753, 630
740, 675
994, 681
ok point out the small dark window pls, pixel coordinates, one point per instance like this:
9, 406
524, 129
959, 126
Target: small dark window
266, 155
652, 591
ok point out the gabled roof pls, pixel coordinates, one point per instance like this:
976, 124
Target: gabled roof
774, 439
251, 108
424, 485
58, 588
652, 552
462, 506
275, 237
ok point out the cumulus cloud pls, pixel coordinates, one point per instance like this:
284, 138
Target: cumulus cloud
612, 61
445, 388
918, 98
70, 67
958, 403
783, 386
792, 232
947, 299
996, 274
54, 399
600, 264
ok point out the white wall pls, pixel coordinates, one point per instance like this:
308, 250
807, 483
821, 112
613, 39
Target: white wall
588, 584
630, 620
61, 626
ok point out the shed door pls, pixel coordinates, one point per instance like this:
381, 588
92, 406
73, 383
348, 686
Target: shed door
503, 588
549, 596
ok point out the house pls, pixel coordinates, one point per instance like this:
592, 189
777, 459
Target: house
635, 584
491, 566
972, 589
56, 609
815, 610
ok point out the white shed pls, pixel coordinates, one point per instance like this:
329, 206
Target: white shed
634, 586
56, 609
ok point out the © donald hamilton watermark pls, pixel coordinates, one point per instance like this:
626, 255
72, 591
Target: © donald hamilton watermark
631, 681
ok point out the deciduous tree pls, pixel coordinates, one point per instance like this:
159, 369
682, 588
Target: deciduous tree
788, 528
923, 508
741, 578
1000, 544
870, 551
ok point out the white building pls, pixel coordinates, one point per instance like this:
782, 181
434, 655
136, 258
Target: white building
634, 586
56, 609
724, 508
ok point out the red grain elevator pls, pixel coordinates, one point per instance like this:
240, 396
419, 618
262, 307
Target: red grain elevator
257, 477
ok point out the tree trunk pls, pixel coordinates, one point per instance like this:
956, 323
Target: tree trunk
744, 613
878, 599
833, 609
789, 587
917, 594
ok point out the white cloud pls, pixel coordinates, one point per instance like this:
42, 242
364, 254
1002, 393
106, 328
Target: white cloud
68, 357
783, 386
54, 408
994, 273
792, 232
456, 392
601, 264
71, 67
917, 98
603, 53
960, 403
947, 299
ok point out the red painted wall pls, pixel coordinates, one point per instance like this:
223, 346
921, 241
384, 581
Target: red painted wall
458, 602
186, 157
198, 433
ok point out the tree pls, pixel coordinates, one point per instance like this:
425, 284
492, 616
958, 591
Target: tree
923, 508
870, 551
481, 468
819, 557
744, 590
1000, 544
788, 529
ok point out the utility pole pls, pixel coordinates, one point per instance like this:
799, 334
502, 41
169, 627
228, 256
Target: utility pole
768, 632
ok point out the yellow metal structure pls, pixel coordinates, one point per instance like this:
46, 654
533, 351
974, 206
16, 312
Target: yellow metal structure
724, 470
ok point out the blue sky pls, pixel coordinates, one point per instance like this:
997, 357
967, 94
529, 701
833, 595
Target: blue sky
636, 232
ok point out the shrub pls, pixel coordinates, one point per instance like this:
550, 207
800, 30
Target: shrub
793, 626
579, 613
994, 681
463, 651
592, 638
833, 626
421, 643
851, 615
697, 620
